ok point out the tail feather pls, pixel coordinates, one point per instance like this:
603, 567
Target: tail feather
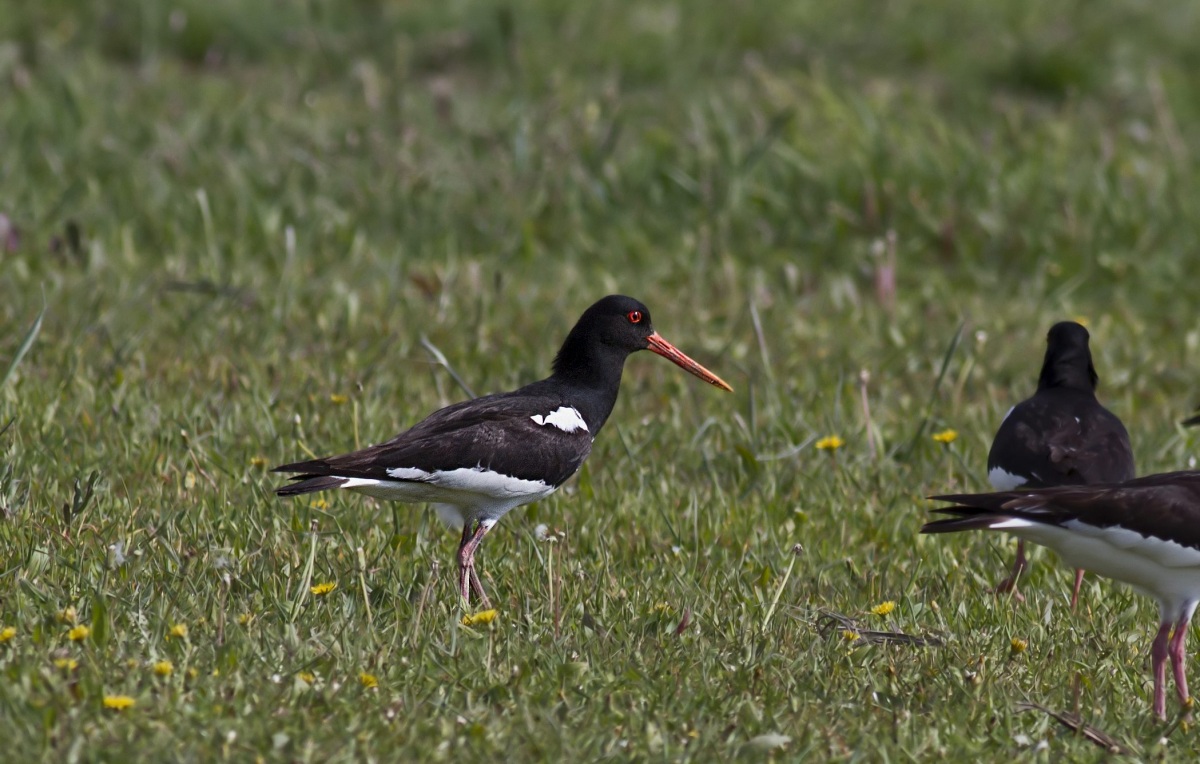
310, 467
309, 484
963, 519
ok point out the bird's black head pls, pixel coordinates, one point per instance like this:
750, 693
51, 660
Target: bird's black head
616, 321
610, 330
1068, 361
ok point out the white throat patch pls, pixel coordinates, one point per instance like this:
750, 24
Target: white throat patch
1005, 481
564, 418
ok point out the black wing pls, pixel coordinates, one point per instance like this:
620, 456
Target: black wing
1063, 437
1165, 506
496, 432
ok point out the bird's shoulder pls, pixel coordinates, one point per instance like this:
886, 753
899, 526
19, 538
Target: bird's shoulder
1063, 437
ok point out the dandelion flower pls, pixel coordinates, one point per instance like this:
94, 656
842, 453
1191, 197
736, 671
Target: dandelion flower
883, 608
830, 443
66, 664
7, 633
79, 633
258, 461
307, 677
119, 702
319, 504
325, 588
482, 618
368, 681
850, 635
178, 631
67, 615
1018, 646
245, 618
338, 399
946, 436
164, 668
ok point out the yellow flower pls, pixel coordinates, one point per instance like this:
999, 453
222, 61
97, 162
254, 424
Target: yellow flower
319, 504
308, 677
830, 443
66, 664
483, 617
850, 635
368, 680
118, 702
883, 608
245, 618
179, 631
163, 668
324, 588
1018, 646
1081, 320
79, 633
67, 615
338, 399
7, 633
193, 672
258, 461
946, 436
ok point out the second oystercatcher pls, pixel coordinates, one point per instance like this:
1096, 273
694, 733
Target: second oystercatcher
1144, 532
1060, 436
476, 460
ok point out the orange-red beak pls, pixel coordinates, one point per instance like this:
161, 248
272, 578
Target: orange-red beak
675, 356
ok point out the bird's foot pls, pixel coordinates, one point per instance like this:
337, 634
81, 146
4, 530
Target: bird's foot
1009, 586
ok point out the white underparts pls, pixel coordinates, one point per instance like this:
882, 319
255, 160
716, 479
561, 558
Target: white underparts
565, 418
463, 495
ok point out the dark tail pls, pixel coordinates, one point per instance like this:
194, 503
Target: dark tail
309, 484
1191, 421
963, 519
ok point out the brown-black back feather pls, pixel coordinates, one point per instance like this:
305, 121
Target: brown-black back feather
1164, 505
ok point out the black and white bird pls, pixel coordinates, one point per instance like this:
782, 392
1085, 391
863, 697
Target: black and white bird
1144, 532
1060, 436
478, 459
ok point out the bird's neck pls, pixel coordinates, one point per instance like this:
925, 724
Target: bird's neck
591, 374
1072, 375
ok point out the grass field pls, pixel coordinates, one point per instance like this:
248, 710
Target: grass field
229, 225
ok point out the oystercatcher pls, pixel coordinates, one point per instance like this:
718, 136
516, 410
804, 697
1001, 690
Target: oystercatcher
1144, 532
1060, 436
478, 459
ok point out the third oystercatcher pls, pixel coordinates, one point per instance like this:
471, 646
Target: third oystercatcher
1060, 436
476, 460
1144, 532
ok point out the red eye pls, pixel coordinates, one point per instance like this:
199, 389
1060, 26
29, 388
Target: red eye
635, 317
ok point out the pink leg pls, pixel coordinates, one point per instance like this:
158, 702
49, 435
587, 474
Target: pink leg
1075, 592
1158, 660
1179, 659
468, 581
1010, 584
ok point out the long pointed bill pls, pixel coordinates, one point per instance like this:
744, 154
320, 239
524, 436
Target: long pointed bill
675, 356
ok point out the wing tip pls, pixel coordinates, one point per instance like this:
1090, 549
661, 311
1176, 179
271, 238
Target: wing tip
309, 484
